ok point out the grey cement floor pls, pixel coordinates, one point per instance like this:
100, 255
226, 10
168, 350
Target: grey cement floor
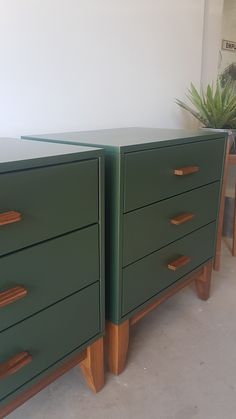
182, 365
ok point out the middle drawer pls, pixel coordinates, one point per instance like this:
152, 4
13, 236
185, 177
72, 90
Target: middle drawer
48, 272
152, 227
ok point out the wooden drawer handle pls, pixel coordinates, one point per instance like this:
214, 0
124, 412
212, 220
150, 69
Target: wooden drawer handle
182, 218
9, 217
188, 170
14, 364
11, 295
179, 263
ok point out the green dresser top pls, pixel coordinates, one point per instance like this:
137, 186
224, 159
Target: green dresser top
129, 139
17, 154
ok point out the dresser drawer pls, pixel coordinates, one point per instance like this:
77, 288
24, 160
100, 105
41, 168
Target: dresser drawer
154, 226
51, 200
150, 275
149, 176
50, 335
48, 272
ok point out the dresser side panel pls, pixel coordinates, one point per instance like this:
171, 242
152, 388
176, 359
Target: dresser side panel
113, 234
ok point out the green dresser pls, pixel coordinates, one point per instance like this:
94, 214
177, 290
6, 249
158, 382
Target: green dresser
51, 266
162, 198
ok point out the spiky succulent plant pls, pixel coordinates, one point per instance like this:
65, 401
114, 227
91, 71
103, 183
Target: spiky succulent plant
214, 107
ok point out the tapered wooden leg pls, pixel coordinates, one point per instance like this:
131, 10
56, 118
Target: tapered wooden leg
93, 366
234, 227
203, 282
118, 343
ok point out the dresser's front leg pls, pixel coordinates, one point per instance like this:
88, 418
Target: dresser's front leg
117, 345
203, 282
93, 366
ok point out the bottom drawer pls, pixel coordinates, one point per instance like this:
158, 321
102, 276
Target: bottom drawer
49, 336
150, 275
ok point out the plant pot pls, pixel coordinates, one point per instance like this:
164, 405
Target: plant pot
231, 136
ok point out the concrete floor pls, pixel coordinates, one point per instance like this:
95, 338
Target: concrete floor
182, 365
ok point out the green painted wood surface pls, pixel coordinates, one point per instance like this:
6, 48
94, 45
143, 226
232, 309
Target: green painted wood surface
101, 230
61, 191
52, 200
50, 335
149, 175
150, 275
16, 154
123, 140
118, 145
149, 228
49, 271
113, 233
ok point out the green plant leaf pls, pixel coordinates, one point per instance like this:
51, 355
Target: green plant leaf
214, 107
192, 111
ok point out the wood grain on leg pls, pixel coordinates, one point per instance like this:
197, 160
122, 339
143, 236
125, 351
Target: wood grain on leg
118, 343
203, 282
93, 366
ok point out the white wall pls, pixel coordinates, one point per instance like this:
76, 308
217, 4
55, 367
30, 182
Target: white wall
84, 64
211, 40
228, 32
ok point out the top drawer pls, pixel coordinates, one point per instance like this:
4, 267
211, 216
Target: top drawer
51, 200
149, 175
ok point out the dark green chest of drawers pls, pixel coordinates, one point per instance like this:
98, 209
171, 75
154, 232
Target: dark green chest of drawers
51, 259
162, 197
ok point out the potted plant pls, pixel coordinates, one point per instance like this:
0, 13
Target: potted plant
228, 75
215, 108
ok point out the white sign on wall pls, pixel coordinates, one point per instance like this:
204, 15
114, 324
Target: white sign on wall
229, 45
